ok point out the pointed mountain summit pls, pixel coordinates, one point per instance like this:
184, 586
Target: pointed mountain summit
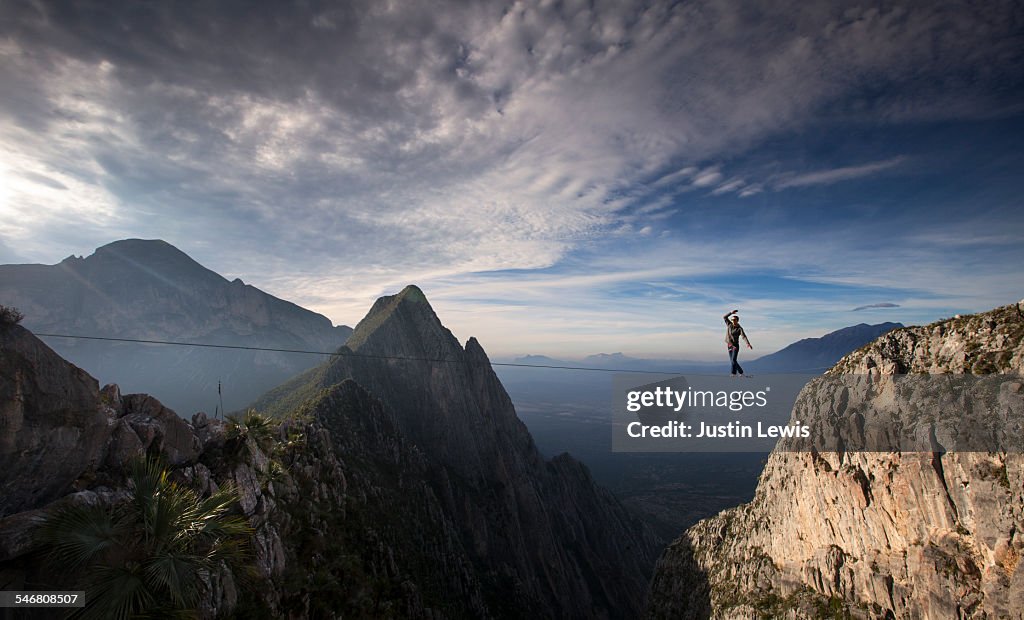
446, 396
151, 290
545, 539
399, 323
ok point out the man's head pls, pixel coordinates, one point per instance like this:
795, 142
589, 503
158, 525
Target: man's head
735, 318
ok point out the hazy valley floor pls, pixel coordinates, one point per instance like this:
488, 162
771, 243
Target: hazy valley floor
569, 411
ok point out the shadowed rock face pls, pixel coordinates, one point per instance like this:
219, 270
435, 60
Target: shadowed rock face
543, 536
52, 424
148, 289
361, 505
347, 499
873, 534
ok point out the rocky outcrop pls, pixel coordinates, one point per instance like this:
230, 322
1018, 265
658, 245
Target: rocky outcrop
148, 289
343, 524
353, 513
53, 426
845, 533
542, 536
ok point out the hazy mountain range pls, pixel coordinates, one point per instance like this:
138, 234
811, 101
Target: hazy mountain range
150, 290
810, 355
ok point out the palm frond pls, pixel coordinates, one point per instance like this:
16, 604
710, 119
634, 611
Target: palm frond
177, 576
78, 535
117, 593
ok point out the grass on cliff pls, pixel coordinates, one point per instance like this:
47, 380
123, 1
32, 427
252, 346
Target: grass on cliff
291, 395
251, 425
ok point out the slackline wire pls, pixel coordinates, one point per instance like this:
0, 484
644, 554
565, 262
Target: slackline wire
385, 357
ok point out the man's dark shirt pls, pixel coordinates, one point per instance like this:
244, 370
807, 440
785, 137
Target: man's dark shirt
733, 333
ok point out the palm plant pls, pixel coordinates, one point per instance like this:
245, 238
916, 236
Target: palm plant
253, 424
147, 557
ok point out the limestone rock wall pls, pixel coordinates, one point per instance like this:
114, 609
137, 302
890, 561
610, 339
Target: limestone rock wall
871, 534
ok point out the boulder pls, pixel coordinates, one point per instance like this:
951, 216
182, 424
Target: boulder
161, 429
53, 427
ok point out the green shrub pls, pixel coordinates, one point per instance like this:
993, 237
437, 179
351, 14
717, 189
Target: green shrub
10, 315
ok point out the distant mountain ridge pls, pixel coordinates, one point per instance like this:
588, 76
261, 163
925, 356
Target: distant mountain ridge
811, 355
815, 355
149, 289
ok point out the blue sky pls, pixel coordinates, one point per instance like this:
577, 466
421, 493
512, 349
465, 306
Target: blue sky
562, 178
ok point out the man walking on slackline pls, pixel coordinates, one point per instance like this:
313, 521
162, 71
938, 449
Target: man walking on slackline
733, 333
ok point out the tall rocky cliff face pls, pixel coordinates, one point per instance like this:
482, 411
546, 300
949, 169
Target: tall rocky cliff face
544, 538
897, 534
148, 289
51, 427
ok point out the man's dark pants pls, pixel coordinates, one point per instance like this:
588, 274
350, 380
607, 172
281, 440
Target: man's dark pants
733, 354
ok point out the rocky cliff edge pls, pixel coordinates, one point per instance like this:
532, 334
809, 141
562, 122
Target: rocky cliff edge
897, 534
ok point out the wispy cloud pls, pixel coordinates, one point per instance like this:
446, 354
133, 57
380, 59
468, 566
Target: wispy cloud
786, 180
751, 190
835, 175
676, 177
729, 186
884, 304
707, 177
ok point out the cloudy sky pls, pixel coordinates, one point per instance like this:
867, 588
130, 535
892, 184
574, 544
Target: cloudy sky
559, 177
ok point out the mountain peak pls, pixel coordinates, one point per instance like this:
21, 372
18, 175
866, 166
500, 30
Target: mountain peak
135, 242
403, 323
149, 257
140, 248
413, 293
497, 490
